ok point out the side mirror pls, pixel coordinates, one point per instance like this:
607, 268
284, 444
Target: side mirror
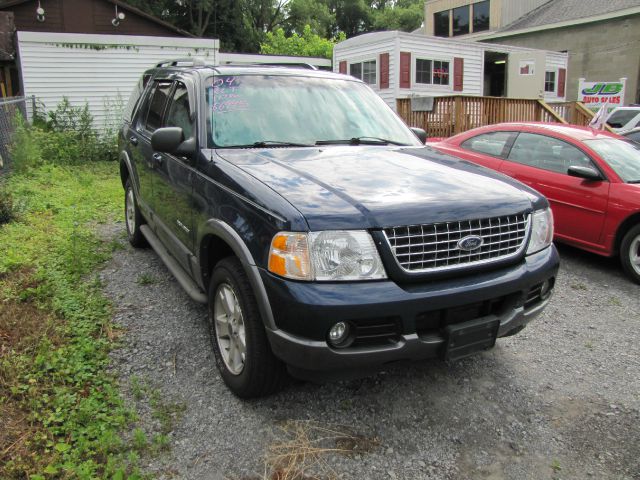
587, 173
420, 133
171, 140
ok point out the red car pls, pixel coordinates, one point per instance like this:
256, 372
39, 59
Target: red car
591, 178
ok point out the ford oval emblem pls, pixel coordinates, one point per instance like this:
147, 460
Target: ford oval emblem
470, 242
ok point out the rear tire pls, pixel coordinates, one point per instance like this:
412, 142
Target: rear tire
133, 217
240, 345
630, 253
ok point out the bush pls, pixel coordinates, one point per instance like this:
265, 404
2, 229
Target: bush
68, 137
7, 212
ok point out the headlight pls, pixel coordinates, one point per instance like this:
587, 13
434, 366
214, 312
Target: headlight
326, 256
541, 231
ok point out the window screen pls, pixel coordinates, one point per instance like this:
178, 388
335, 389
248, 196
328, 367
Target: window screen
440, 73
369, 72
550, 82
423, 71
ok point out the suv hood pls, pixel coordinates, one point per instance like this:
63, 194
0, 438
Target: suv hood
350, 187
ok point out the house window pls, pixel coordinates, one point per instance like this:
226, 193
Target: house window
365, 71
440, 73
441, 24
461, 20
434, 72
481, 16
423, 71
468, 18
550, 82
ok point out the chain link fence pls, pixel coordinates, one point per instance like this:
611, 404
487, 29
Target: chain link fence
9, 109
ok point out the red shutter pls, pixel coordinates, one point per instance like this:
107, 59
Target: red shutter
384, 70
458, 74
405, 70
343, 67
562, 81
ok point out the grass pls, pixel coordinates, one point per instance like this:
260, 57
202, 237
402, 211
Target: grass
304, 448
145, 279
61, 412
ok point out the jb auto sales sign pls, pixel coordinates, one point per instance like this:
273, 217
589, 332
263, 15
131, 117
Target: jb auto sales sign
595, 94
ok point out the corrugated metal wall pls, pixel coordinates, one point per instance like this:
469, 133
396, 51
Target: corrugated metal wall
100, 70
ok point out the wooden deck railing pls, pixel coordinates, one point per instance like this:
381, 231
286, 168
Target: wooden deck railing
573, 112
455, 114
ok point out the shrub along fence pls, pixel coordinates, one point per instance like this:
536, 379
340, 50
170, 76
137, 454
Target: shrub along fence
457, 113
10, 108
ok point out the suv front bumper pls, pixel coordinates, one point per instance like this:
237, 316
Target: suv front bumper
304, 312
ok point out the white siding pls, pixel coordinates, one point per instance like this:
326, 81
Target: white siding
430, 49
100, 70
360, 49
556, 61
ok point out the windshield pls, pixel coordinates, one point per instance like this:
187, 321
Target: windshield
262, 109
620, 118
621, 155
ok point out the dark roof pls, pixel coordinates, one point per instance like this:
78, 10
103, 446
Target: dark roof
556, 11
124, 6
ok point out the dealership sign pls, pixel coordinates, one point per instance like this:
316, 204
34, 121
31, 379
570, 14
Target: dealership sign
596, 94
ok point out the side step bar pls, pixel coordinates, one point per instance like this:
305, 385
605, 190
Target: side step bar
174, 267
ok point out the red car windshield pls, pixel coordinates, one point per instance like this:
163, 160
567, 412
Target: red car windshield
621, 155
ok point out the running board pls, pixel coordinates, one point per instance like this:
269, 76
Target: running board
174, 267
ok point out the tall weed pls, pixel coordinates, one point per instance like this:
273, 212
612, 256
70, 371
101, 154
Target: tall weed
67, 137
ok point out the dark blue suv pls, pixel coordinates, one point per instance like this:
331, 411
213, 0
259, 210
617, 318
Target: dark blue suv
324, 236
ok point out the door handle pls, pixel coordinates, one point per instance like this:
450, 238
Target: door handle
133, 140
157, 158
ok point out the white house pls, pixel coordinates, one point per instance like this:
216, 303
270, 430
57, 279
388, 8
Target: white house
400, 65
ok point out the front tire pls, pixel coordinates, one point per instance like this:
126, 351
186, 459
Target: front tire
133, 217
242, 352
630, 253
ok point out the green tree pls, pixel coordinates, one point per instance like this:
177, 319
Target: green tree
314, 13
308, 44
404, 15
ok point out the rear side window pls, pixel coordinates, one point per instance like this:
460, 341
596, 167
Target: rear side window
134, 99
489, 143
157, 102
547, 153
179, 114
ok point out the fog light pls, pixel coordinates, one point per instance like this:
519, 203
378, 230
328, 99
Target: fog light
338, 333
545, 289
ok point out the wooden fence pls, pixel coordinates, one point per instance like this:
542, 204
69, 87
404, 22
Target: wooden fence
455, 114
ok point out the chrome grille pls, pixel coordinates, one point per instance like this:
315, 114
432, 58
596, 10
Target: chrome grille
435, 246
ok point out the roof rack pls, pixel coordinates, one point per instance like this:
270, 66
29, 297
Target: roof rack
183, 62
306, 66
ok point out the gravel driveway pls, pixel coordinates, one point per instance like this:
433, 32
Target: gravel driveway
561, 400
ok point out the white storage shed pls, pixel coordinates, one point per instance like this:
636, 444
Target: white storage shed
101, 70
400, 65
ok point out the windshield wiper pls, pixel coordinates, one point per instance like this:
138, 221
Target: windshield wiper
361, 141
268, 143
634, 181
